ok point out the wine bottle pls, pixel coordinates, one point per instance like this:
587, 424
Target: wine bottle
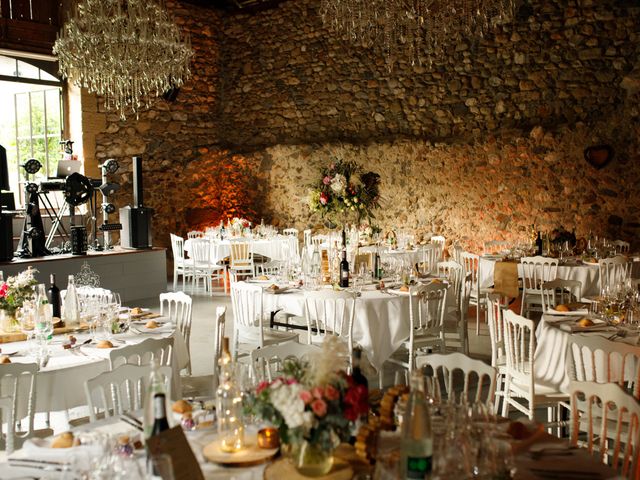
539, 244
155, 386
160, 423
417, 437
53, 293
71, 307
377, 266
344, 269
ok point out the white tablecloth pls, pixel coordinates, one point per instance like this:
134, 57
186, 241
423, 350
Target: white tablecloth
381, 321
588, 275
60, 385
409, 257
552, 355
272, 248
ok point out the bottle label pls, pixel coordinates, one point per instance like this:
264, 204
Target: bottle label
418, 467
159, 410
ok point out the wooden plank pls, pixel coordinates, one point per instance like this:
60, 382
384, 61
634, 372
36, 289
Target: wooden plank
21, 337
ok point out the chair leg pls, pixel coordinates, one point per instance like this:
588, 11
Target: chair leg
505, 399
522, 304
175, 278
380, 377
477, 318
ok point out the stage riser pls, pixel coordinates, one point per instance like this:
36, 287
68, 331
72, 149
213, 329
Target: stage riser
135, 275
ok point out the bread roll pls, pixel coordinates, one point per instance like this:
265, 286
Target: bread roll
64, 440
5, 359
104, 344
563, 308
182, 406
136, 311
585, 322
151, 324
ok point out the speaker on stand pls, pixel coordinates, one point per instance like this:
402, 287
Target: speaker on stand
6, 219
136, 219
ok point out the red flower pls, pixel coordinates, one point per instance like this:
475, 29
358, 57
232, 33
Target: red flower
316, 392
331, 392
3, 290
324, 198
326, 180
319, 407
356, 401
306, 397
261, 386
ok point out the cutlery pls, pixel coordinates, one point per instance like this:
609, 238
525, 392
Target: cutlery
131, 420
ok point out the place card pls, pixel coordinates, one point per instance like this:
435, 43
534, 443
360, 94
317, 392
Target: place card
173, 442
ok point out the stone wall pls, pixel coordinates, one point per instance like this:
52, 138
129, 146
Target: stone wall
477, 146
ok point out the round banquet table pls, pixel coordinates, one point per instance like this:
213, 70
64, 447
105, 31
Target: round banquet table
409, 257
552, 353
60, 384
588, 275
381, 322
267, 247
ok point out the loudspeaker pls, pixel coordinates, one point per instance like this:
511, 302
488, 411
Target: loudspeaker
6, 237
138, 196
79, 240
4, 169
136, 227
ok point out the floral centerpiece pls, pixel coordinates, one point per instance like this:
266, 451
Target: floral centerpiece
14, 292
239, 225
313, 405
344, 191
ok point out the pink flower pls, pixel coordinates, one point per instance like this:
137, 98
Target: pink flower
3, 290
261, 386
306, 397
326, 180
319, 407
316, 392
331, 392
324, 198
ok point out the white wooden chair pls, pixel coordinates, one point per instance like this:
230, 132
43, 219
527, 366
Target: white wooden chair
218, 336
180, 267
535, 272
456, 324
453, 272
444, 368
291, 231
176, 306
143, 353
560, 291
195, 234
307, 238
267, 362
621, 246
439, 241
610, 418
426, 324
522, 392
251, 330
495, 310
457, 250
329, 312
596, 359
471, 264
612, 271
121, 390
7, 426
241, 260
18, 382
203, 265
429, 254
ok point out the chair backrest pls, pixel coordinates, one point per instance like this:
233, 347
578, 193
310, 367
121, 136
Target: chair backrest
177, 248
438, 241
330, 313
248, 314
520, 345
221, 313
594, 358
267, 361
560, 291
319, 240
18, 382
470, 263
7, 424
290, 231
307, 237
456, 252
177, 307
143, 353
430, 255
495, 310
200, 252
121, 390
453, 272
195, 234
610, 418
613, 270
536, 271
444, 368
241, 256
290, 248
621, 246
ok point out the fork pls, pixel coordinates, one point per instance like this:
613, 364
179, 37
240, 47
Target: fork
619, 333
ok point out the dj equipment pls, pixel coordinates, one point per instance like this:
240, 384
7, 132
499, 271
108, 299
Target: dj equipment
6, 219
52, 186
68, 167
77, 189
136, 220
110, 227
79, 240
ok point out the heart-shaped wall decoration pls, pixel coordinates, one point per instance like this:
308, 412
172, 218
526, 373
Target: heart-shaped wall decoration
598, 156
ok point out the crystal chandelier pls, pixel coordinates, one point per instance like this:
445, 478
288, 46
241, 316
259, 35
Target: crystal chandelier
128, 51
414, 28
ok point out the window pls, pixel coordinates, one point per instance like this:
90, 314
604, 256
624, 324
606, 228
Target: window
31, 120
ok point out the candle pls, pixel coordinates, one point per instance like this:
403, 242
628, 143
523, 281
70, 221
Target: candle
268, 438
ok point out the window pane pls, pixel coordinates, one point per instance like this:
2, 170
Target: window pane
53, 112
26, 70
47, 76
37, 116
8, 66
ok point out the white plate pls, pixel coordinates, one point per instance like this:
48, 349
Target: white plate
167, 327
258, 280
581, 312
591, 264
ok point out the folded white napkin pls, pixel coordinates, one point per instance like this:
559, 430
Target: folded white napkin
40, 449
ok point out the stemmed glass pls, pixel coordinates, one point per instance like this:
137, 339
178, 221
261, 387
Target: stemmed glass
25, 317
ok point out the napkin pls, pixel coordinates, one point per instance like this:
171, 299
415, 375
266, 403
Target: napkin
39, 449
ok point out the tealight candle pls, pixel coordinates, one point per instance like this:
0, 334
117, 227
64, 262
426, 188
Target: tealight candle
268, 438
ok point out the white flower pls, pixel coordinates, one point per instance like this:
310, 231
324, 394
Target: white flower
339, 183
286, 399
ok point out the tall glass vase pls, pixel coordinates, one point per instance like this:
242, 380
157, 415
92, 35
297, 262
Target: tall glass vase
8, 322
312, 460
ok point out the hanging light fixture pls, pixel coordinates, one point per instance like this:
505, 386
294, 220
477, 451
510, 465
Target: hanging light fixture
417, 29
128, 51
